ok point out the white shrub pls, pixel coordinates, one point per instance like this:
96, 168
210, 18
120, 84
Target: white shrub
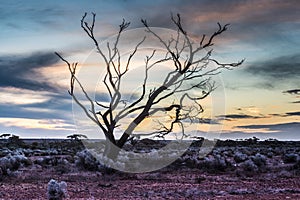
12, 163
56, 190
86, 160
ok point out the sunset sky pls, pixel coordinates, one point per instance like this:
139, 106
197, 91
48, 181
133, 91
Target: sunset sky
262, 97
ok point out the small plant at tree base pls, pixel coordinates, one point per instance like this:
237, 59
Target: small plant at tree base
56, 190
85, 160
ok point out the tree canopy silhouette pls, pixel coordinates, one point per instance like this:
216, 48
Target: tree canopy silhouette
189, 72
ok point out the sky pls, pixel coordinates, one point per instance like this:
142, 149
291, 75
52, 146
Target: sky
261, 98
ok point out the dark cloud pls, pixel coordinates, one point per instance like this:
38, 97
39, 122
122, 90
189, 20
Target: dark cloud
274, 127
281, 68
264, 85
238, 116
101, 97
267, 21
293, 113
56, 107
19, 111
277, 115
295, 91
33, 13
208, 121
288, 114
281, 135
22, 71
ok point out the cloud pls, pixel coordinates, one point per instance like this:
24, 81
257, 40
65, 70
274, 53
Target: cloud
48, 124
291, 135
20, 15
31, 104
208, 121
21, 71
293, 113
238, 116
277, 69
274, 127
45, 110
251, 20
294, 91
204, 10
16, 96
288, 114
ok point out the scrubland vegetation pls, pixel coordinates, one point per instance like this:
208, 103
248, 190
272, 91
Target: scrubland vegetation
240, 160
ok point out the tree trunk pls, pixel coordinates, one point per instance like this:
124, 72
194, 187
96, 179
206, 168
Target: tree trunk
111, 150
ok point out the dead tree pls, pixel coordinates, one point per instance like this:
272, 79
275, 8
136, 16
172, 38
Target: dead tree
188, 66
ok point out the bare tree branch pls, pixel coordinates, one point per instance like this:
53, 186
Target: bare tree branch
190, 72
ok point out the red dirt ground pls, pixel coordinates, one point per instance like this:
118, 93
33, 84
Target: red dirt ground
31, 183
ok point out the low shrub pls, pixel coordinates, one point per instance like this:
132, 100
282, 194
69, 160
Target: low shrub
5, 166
249, 166
253, 165
240, 157
43, 161
12, 163
296, 167
270, 154
62, 166
85, 160
56, 190
290, 158
259, 160
215, 164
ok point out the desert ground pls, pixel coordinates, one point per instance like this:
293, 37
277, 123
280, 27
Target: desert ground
248, 169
